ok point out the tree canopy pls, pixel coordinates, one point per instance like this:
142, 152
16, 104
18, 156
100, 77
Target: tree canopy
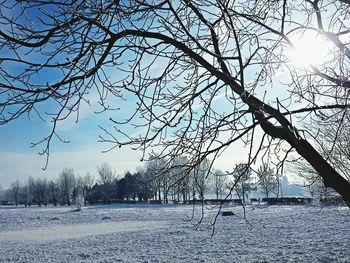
201, 75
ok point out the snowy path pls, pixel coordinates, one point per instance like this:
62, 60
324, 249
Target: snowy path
53, 233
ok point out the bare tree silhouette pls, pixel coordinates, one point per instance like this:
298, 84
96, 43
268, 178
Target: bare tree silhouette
205, 74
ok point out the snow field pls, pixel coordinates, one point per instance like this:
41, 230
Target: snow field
159, 233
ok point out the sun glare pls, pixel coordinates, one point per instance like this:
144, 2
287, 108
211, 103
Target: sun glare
310, 49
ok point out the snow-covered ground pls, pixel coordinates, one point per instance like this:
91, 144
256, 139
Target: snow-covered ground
156, 233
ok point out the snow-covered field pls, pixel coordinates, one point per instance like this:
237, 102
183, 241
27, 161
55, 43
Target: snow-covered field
156, 233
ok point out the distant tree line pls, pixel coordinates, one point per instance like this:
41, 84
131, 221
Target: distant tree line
156, 182
151, 183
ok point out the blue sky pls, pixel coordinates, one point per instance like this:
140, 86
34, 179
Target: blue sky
83, 153
18, 160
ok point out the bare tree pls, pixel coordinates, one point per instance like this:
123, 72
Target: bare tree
107, 177
179, 180
158, 175
268, 180
30, 191
88, 183
242, 181
25, 195
219, 182
15, 187
201, 178
53, 192
186, 63
66, 184
40, 191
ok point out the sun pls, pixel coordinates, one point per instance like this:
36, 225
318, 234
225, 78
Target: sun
310, 49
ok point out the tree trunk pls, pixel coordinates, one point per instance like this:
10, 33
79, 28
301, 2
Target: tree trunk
243, 194
331, 178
